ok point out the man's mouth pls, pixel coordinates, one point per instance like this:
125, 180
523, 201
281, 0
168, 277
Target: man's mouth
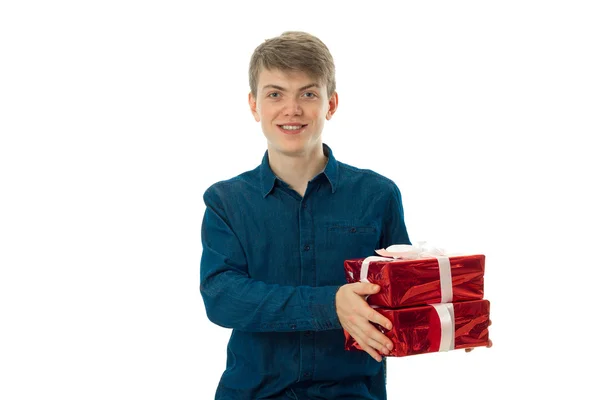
296, 128
291, 127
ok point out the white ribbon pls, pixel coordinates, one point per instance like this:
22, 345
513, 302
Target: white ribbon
409, 252
445, 278
364, 269
446, 313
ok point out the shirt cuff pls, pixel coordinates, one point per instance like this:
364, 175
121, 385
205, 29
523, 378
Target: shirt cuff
322, 307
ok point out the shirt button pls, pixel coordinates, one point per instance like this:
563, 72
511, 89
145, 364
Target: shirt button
306, 248
293, 326
307, 333
304, 205
306, 374
353, 230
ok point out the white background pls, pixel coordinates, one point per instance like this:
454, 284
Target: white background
115, 117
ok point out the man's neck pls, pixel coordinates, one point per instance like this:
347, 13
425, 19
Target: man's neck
297, 170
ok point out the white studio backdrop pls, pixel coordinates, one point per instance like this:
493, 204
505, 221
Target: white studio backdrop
116, 116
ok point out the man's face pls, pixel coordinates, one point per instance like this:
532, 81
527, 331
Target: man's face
292, 108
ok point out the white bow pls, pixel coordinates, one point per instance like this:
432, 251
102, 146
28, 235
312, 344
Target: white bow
411, 252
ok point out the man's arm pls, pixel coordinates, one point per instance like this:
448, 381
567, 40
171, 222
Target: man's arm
234, 300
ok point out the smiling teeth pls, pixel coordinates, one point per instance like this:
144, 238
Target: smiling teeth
291, 127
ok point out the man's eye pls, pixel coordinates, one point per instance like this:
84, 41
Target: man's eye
310, 94
273, 95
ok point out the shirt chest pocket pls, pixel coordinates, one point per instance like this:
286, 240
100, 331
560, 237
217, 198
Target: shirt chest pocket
352, 239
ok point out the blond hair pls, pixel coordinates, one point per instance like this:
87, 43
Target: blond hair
294, 51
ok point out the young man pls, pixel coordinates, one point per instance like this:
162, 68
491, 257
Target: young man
275, 238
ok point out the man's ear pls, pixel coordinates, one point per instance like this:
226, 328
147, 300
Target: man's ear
252, 104
333, 104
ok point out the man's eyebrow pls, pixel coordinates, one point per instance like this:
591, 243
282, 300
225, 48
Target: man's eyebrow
310, 85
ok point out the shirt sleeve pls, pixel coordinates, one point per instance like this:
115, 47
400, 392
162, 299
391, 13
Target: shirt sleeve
234, 300
394, 227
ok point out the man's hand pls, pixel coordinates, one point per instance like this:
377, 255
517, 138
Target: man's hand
489, 344
356, 316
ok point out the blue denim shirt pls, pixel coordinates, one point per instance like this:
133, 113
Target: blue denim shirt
272, 262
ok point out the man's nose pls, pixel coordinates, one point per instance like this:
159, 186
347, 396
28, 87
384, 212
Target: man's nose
292, 107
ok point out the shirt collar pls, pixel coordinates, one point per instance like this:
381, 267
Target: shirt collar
268, 178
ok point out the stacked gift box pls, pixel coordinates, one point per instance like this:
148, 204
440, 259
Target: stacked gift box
434, 301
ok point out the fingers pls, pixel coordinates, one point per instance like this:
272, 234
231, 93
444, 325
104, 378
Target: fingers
377, 318
488, 345
375, 338
364, 288
375, 334
373, 347
371, 351
368, 345
369, 338
381, 348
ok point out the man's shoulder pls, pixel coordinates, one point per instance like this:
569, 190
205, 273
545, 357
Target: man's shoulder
365, 176
245, 182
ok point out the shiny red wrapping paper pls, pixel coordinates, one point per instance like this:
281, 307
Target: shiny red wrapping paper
417, 330
416, 282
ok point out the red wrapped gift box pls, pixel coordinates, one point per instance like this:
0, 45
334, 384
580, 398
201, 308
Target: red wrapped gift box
418, 330
416, 282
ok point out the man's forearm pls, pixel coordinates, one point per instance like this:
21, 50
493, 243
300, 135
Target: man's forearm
233, 300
